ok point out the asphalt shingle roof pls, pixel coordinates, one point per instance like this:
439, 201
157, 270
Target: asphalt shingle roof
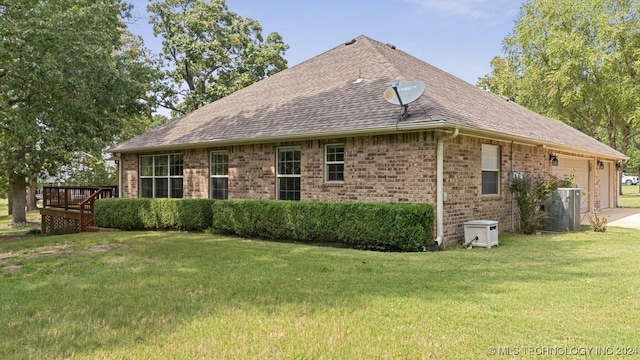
320, 97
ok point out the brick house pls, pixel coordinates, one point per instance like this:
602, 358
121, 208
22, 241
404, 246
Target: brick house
322, 131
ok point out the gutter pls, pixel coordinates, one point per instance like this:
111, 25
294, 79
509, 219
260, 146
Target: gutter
400, 127
490, 134
440, 187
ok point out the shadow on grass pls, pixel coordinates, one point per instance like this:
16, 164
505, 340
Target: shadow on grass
30, 229
154, 282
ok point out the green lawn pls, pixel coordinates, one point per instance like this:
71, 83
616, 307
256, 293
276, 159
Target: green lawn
160, 295
630, 197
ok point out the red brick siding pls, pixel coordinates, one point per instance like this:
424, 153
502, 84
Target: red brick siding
196, 173
129, 176
387, 168
252, 172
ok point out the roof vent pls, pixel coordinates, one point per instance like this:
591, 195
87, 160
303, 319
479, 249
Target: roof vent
350, 42
391, 46
359, 79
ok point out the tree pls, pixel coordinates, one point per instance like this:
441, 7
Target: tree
578, 61
209, 52
70, 81
632, 167
157, 120
502, 79
88, 169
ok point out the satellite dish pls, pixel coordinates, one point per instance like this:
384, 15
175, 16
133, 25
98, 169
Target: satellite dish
403, 93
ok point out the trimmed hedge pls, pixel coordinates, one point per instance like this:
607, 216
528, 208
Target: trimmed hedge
141, 214
375, 226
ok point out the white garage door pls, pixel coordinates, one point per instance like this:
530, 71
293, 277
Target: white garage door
579, 168
605, 183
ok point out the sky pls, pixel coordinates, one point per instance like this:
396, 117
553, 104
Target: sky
458, 36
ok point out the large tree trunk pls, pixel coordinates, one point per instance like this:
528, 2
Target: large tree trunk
10, 200
31, 194
18, 190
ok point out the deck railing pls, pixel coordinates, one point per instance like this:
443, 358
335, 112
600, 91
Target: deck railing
70, 197
70, 208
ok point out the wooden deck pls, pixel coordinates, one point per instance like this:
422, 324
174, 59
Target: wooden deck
68, 209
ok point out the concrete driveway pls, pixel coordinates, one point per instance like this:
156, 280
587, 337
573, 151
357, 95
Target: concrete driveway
621, 217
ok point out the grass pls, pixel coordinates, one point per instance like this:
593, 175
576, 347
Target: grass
630, 197
142, 295
7, 232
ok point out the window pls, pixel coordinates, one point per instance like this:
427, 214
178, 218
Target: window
334, 162
288, 174
219, 175
161, 176
490, 169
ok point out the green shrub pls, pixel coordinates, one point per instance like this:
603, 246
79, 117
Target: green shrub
531, 192
378, 226
140, 214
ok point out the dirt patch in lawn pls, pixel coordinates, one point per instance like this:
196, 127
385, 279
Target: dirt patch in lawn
8, 267
50, 250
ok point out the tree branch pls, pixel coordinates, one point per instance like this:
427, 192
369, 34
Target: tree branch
210, 72
188, 77
169, 106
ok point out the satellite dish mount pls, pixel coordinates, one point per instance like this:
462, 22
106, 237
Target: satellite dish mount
394, 86
403, 94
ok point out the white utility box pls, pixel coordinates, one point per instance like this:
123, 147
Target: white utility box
482, 233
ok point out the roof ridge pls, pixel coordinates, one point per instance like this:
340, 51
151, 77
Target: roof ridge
348, 42
340, 92
376, 49
381, 50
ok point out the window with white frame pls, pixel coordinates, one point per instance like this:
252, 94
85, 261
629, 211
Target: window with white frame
219, 175
334, 162
490, 169
288, 173
161, 176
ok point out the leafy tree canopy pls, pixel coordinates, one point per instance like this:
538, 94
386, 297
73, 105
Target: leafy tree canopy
71, 79
88, 170
209, 52
578, 61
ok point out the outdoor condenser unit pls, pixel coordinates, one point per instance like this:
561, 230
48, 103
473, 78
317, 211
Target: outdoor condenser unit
482, 233
563, 210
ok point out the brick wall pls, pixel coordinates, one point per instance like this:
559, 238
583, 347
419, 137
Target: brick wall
196, 173
252, 171
387, 168
129, 177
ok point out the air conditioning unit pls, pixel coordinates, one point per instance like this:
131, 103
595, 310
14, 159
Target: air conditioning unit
563, 210
482, 233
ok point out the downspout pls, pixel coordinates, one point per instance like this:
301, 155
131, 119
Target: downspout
440, 187
119, 176
513, 228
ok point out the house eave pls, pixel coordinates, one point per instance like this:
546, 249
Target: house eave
481, 133
396, 128
400, 127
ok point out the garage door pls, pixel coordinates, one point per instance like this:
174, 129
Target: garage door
579, 168
605, 183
